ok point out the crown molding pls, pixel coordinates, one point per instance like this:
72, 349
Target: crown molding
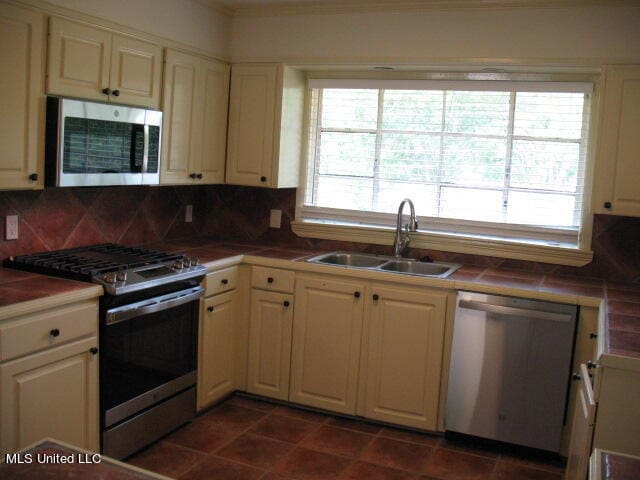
329, 7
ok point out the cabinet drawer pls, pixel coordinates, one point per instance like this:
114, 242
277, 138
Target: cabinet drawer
35, 332
273, 279
221, 281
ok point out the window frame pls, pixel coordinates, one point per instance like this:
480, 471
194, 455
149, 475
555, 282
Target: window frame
525, 242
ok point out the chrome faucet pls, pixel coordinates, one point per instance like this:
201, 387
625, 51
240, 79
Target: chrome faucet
401, 240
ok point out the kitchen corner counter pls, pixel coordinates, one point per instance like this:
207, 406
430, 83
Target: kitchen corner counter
49, 449
24, 292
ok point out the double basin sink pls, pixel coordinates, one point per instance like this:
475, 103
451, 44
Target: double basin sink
387, 264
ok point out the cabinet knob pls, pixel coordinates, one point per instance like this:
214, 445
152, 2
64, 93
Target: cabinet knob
593, 335
106, 91
356, 294
263, 179
224, 281
33, 177
375, 296
607, 205
591, 365
286, 303
55, 332
192, 175
116, 93
210, 309
270, 280
575, 376
199, 176
93, 350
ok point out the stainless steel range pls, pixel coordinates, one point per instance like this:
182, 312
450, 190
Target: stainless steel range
148, 336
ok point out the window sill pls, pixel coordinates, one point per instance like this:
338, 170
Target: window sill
519, 249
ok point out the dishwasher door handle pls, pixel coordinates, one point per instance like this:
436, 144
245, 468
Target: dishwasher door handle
521, 312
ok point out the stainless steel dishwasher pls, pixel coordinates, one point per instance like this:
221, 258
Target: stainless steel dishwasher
510, 369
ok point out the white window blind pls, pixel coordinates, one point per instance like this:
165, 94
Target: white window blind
474, 156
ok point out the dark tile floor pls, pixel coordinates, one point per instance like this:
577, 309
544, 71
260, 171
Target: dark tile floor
246, 439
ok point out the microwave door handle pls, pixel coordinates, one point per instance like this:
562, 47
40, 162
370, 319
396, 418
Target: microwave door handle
137, 129
145, 149
152, 305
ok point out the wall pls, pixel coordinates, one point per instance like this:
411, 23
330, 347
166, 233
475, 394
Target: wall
185, 21
580, 35
57, 218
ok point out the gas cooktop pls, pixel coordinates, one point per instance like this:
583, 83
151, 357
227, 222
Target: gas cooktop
118, 268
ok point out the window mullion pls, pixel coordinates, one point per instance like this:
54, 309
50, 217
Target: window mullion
316, 155
378, 150
439, 172
507, 160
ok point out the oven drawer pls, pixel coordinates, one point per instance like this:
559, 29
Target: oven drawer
221, 281
273, 279
38, 331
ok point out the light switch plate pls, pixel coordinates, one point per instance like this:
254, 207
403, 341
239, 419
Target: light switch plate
188, 214
276, 219
11, 227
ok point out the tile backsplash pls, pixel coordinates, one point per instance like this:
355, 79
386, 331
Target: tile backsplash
67, 217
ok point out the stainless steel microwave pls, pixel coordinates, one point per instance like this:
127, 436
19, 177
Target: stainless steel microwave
97, 144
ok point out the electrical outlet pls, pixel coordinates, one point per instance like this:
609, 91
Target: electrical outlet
11, 227
276, 219
188, 214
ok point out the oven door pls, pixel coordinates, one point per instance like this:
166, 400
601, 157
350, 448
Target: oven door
149, 352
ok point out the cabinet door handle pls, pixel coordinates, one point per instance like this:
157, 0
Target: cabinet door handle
263, 179
356, 294
224, 281
270, 280
607, 205
54, 332
591, 365
286, 303
192, 175
106, 91
575, 376
210, 309
33, 177
375, 297
116, 93
593, 335
93, 350
199, 176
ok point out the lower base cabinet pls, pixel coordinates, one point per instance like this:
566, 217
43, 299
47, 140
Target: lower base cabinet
582, 429
327, 330
216, 348
400, 370
270, 328
54, 394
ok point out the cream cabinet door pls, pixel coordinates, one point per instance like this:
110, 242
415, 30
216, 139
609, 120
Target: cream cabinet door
215, 348
270, 344
617, 162
79, 60
214, 93
401, 364
327, 329
136, 71
181, 112
252, 124
51, 394
22, 36
581, 430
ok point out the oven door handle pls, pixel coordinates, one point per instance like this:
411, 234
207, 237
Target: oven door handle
153, 305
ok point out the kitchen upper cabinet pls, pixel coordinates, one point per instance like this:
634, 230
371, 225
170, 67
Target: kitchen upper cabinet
265, 125
401, 365
270, 330
216, 348
617, 173
195, 119
51, 394
327, 329
96, 64
22, 101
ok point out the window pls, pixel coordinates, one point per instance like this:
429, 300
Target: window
493, 158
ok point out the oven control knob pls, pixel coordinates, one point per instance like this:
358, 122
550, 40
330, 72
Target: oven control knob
122, 276
194, 262
186, 262
177, 265
110, 277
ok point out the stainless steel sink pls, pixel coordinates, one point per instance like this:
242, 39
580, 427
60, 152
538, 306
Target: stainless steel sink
354, 260
386, 264
414, 267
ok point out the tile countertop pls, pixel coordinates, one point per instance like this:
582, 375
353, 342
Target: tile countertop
622, 300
